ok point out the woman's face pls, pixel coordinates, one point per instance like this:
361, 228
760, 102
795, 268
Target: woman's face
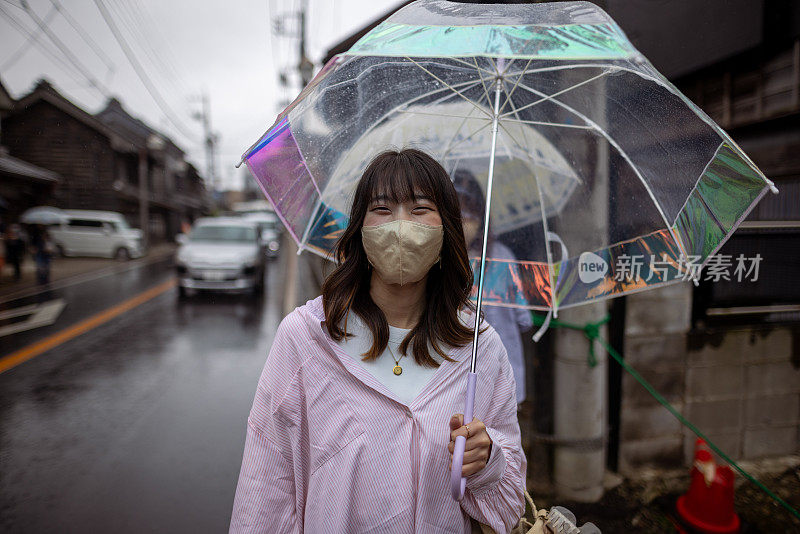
421, 209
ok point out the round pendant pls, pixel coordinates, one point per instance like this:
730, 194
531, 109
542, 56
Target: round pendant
397, 370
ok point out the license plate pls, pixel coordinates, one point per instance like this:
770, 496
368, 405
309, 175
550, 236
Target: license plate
214, 275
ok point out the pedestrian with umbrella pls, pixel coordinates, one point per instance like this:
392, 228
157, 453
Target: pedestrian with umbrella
43, 251
599, 176
15, 250
357, 406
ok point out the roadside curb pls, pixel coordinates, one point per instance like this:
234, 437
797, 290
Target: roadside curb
63, 274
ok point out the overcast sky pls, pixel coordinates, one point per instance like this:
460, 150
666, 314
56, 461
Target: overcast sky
226, 48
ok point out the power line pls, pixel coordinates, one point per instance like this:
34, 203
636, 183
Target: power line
43, 45
129, 18
9, 2
64, 49
84, 35
168, 113
124, 15
33, 37
164, 44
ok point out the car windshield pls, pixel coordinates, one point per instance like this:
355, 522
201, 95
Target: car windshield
223, 233
122, 224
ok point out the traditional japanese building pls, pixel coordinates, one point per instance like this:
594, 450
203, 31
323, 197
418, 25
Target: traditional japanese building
22, 184
102, 159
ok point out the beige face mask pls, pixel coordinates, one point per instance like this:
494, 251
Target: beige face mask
402, 251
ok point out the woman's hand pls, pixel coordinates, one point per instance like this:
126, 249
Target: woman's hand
478, 446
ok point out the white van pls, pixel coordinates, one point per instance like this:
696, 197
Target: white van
96, 233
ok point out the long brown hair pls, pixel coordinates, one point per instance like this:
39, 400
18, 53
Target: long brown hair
400, 175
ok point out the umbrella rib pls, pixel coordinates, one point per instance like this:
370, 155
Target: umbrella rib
412, 112
470, 65
483, 84
525, 149
624, 155
449, 87
453, 138
466, 138
519, 145
516, 84
552, 96
516, 112
543, 123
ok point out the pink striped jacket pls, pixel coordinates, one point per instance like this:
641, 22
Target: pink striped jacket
329, 449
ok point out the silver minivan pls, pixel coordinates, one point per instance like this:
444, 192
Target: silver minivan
96, 233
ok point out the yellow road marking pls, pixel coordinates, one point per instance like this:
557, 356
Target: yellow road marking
34, 349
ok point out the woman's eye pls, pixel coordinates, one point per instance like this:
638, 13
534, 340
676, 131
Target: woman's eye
382, 209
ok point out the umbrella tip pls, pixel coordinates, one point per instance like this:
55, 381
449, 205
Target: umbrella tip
771, 185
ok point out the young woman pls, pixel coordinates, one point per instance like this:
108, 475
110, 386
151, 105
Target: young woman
356, 411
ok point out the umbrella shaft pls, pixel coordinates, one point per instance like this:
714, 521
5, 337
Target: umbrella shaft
487, 213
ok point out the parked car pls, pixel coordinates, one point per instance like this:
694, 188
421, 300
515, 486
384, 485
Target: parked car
96, 233
269, 227
221, 253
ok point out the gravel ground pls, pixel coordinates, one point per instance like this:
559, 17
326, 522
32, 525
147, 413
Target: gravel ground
647, 504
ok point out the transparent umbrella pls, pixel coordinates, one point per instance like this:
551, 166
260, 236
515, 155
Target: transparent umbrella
589, 158
42, 215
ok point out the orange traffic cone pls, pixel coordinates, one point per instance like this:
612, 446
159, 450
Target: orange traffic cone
708, 505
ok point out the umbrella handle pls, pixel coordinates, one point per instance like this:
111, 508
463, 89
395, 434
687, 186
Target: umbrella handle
457, 482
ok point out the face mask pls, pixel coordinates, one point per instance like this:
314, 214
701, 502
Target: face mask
402, 251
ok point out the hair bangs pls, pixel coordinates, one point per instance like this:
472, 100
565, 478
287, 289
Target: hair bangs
400, 181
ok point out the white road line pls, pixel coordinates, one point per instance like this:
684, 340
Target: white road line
83, 277
16, 312
40, 315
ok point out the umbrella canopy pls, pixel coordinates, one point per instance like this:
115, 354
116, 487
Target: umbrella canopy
585, 123
42, 215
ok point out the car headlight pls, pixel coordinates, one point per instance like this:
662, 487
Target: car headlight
274, 245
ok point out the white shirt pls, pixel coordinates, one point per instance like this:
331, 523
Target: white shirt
405, 386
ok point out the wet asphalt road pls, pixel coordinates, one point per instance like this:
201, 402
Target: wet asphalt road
137, 425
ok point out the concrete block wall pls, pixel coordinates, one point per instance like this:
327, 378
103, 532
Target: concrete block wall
743, 390
739, 386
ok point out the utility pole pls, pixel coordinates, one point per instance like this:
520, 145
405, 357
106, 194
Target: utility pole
210, 139
581, 392
306, 69
305, 66
144, 197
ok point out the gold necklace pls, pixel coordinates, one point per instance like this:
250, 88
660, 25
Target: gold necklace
397, 370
